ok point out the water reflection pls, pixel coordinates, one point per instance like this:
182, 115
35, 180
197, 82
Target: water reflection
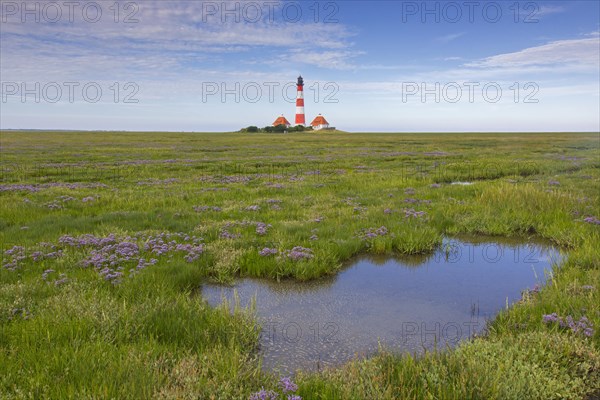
405, 304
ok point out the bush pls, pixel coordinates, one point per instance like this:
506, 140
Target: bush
280, 128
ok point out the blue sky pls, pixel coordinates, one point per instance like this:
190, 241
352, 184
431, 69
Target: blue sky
368, 65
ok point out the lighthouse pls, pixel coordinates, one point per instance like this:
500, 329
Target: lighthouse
300, 120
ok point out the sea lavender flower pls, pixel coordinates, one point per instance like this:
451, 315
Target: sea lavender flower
263, 394
62, 279
548, 318
253, 207
411, 213
435, 186
262, 228
142, 263
88, 199
37, 256
409, 191
267, 252
111, 275
371, 233
225, 234
299, 253
14, 188
127, 250
46, 273
583, 326
588, 287
287, 385
16, 254
387, 211
381, 231
592, 220
193, 251
553, 183
65, 198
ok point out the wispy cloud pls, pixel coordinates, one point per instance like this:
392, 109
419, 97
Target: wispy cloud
450, 37
168, 38
547, 10
576, 51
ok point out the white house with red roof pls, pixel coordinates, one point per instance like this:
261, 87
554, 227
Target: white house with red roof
319, 123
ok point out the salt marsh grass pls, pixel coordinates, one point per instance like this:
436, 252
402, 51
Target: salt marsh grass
107, 237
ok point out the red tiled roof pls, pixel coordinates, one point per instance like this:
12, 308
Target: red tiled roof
319, 120
281, 121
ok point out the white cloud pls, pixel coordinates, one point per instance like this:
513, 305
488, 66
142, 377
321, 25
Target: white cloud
450, 37
169, 38
576, 51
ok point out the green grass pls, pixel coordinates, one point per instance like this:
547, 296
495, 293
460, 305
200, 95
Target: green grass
153, 336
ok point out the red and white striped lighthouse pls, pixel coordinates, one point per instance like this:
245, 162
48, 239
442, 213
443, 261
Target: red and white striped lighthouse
300, 120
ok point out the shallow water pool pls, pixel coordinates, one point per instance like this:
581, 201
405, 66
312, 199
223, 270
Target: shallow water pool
405, 304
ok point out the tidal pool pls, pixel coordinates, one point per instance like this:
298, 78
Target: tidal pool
405, 304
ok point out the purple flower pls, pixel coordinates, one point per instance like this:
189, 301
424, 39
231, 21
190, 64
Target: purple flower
37, 256
225, 234
548, 318
263, 394
592, 220
253, 208
46, 273
262, 228
16, 255
411, 213
299, 253
583, 326
62, 280
372, 233
267, 252
435, 186
553, 183
287, 385
111, 275
65, 198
